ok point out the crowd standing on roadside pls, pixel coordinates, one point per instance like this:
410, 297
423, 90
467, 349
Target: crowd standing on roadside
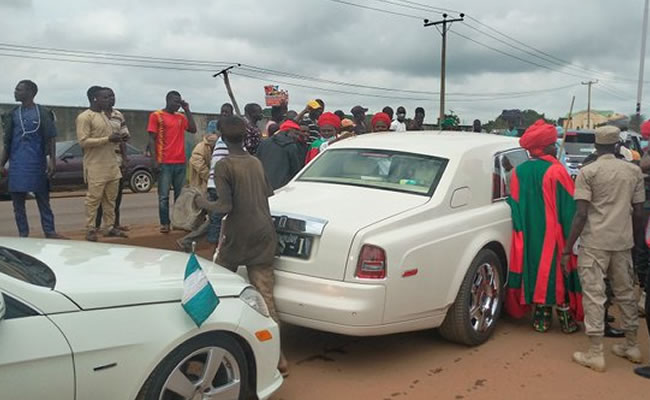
572, 242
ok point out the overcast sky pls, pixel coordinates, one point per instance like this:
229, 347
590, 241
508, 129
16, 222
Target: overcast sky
328, 40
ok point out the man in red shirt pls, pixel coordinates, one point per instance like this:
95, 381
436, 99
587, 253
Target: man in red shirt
167, 140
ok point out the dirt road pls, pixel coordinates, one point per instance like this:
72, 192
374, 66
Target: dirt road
515, 363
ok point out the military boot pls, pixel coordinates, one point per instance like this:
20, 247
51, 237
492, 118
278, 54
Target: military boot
594, 357
629, 349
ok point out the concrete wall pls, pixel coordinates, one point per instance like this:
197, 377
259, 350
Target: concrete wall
136, 120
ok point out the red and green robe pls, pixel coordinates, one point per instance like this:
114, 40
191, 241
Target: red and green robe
541, 200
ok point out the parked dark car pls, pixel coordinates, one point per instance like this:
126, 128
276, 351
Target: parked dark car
69, 169
580, 144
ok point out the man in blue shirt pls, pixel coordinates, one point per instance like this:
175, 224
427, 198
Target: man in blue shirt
29, 137
511, 131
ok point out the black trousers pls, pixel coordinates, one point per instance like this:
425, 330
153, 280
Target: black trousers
647, 301
118, 203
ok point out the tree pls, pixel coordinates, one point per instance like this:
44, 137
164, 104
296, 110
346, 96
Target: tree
520, 119
635, 123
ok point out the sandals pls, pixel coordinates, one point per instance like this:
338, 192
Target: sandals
567, 323
116, 233
543, 318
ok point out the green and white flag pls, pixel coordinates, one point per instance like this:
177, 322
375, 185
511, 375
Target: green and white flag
199, 298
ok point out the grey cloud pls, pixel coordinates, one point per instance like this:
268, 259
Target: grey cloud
320, 38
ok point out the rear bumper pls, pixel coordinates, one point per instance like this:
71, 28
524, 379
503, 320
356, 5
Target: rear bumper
328, 305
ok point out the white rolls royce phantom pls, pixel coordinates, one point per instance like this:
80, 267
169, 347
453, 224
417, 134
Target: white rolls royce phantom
391, 232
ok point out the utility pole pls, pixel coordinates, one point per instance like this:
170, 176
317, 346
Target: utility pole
639, 92
589, 83
226, 81
446, 25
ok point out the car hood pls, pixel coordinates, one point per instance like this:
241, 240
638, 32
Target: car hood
95, 275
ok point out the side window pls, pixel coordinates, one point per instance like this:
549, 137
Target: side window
132, 151
75, 151
504, 165
16, 309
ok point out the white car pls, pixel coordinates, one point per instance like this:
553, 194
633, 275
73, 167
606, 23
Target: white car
390, 232
102, 321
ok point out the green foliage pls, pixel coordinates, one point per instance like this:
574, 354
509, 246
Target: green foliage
524, 119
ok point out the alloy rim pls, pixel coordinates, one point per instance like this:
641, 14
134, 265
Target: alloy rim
485, 297
142, 182
210, 373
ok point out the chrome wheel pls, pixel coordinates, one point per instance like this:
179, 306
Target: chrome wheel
206, 374
485, 298
141, 182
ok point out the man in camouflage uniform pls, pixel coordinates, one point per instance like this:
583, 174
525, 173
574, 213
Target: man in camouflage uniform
606, 191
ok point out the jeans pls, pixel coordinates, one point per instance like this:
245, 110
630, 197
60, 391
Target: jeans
171, 175
43, 202
214, 229
118, 203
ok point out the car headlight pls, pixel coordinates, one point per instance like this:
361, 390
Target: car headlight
255, 300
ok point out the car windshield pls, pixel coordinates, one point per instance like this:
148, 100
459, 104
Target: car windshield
25, 268
579, 149
379, 169
62, 147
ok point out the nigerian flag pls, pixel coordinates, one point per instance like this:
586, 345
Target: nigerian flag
199, 299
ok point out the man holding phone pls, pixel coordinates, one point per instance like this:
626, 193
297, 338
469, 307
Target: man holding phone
101, 169
118, 123
167, 140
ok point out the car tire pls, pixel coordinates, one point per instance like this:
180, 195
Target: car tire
473, 316
184, 369
141, 181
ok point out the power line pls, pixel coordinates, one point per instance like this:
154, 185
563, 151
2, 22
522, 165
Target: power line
329, 89
476, 98
107, 59
107, 55
161, 67
381, 10
514, 56
547, 56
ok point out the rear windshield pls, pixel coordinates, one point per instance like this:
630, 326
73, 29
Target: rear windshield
379, 169
579, 149
25, 268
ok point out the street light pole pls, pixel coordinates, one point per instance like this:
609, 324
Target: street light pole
446, 25
639, 93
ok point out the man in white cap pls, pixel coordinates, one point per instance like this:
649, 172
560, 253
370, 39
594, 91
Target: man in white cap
605, 192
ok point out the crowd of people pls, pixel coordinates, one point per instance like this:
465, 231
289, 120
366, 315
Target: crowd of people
572, 243
236, 166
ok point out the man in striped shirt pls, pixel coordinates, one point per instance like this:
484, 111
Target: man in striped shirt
220, 151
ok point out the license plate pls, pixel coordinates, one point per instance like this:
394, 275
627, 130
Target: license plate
293, 245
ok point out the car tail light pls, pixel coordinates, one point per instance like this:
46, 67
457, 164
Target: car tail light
372, 263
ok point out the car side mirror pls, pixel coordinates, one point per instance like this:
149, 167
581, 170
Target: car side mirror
66, 157
3, 308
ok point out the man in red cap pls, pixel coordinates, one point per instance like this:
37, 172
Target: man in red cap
541, 200
380, 122
330, 126
280, 154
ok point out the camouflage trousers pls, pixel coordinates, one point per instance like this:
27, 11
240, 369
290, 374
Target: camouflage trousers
593, 267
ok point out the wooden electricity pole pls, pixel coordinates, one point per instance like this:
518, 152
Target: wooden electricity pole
589, 101
446, 25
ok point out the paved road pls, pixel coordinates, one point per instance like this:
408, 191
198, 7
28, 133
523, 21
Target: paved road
137, 209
